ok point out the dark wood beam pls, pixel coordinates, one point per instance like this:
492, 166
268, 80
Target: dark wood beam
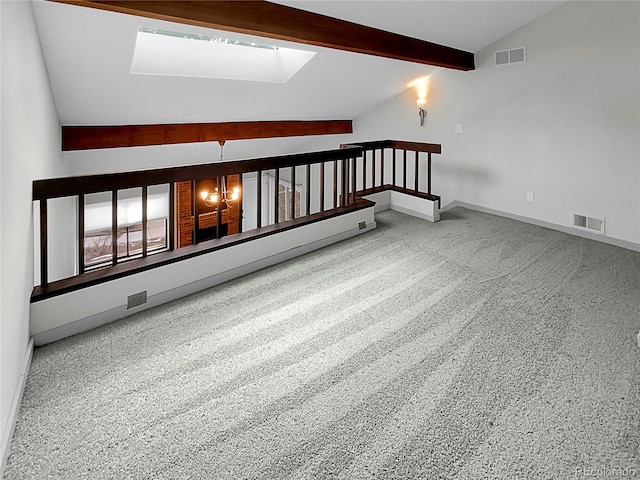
112, 136
271, 20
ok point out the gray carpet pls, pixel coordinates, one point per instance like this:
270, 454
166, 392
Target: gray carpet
474, 348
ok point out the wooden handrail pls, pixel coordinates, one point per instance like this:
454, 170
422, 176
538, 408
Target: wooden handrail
397, 144
345, 197
96, 277
68, 186
417, 147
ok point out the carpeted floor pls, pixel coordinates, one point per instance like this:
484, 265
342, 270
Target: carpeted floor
474, 348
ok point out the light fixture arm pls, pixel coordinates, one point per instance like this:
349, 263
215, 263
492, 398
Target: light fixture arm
422, 113
211, 199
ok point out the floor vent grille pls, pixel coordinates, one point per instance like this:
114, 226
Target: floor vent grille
585, 222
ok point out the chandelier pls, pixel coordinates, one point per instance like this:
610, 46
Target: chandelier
211, 198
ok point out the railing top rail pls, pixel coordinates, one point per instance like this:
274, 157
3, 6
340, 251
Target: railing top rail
69, 186
414, 146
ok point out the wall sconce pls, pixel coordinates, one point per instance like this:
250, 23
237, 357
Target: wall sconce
421, 86
422, 113
211, 198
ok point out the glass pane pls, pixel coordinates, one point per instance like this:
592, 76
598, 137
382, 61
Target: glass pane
157, 217
129, 223
97, 229
156, 235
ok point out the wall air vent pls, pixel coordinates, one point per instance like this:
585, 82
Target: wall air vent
585, 222
513, 55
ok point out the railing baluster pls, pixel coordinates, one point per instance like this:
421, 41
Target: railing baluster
81, 234
144, 220
334, 202
276, 201
364, 170
219, 206
240, 212
259, 200
373, 168
293, 193
394, 167
404, 169
353, 180
416, 171
44, 260
194, 211
322, 187
172, 216
344, 184
354, 176
114, 227
308, 191
429, 174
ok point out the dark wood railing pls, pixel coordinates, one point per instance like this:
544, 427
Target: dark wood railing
340, 196
373, 167
344, 201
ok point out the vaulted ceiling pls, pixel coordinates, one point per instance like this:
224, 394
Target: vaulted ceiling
88, 53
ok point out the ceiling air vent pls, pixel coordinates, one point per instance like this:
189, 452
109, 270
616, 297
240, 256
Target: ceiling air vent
513, 55
585, 222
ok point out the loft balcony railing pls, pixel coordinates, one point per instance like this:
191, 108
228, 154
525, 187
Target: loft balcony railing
408, 171
274, 194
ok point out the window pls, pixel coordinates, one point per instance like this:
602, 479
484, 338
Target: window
164, 52
98, 244
98, 234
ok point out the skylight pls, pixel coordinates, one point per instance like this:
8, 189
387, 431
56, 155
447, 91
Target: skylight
165, 52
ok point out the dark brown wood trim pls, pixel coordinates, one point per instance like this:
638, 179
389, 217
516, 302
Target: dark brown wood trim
134, 266
67, 186
292, 202
364, 170
81, 234
395, 188
240, 202
322, 174
259, 199
404, 169
114, 227
114, 136
145, 195
394, 167
271, 20
172, 215
44, 257
416, 173
429, 173
397, 144
353, 180
307, 200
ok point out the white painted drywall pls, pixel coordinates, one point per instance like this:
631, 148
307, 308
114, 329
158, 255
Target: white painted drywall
77, 311
565, 125
30, 149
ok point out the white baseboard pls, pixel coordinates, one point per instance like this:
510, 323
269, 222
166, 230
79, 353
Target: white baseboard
541, 223
404, 203
414, 213
108, 316
7, 433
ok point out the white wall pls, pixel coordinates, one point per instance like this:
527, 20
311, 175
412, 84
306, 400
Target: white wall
77, 311
30, 149
565, 125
